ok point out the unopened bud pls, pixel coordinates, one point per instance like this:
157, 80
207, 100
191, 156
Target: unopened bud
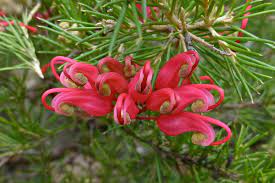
198, 138
64, 25
81, 78
71, 84
105, 68
127, 116
129, 71
105, 90
67, 108
197, 106
164, 108
184, 71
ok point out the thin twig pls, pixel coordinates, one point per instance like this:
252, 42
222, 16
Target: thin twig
33, 11
242, 105
210, 46
184, 158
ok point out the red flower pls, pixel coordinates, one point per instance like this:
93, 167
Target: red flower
98, 91
81, 73
109, 64
183, 122
179, 66
125, 109
208, 87
140, 86
167, 100
199, 99
163, 101
111, 83
71, 101
75, 74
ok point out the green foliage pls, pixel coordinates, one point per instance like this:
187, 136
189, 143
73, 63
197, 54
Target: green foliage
39, 146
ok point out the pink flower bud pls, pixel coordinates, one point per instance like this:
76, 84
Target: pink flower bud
71, 101
75, 74
125, 109
207, 88
109, 64
179, 66
129, 68
140, 86
111, 83
176, 124
163, 101
82, 73
199, 99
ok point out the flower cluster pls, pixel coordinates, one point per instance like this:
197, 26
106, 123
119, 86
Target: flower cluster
127, 91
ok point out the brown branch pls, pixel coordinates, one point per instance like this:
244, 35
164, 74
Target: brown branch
242, 105
185, 159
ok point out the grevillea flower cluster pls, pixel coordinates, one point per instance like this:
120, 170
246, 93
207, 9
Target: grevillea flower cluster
126, 91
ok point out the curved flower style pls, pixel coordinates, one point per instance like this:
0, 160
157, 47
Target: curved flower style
75, 74
111, 83
109, 64
125, 109
179, 66
140, 86
207, 78
71, 101
183, 122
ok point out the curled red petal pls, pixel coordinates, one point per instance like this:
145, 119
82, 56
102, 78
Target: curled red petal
81, 73
211, 87
140, 87
109, 64
87, 101
125, 109
176, 124
181, 65
116, 82
163, 100
187, 95
215, 122
67, 82
59, 60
